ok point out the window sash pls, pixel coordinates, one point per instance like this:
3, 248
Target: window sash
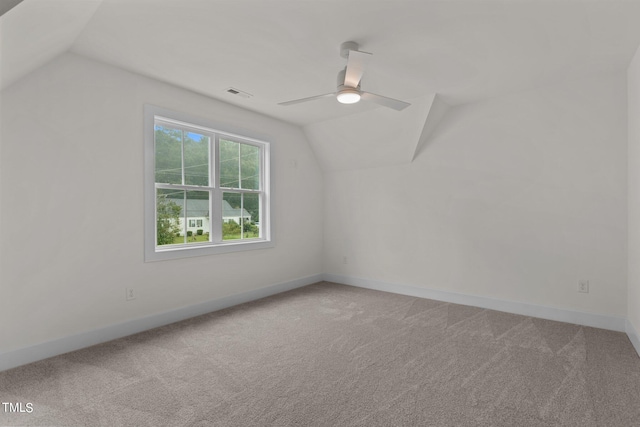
215, 214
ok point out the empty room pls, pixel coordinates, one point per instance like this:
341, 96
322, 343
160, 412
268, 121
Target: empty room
319, 213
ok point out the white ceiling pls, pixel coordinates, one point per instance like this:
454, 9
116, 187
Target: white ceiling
279, 50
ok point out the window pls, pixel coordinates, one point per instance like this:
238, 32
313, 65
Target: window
206, 188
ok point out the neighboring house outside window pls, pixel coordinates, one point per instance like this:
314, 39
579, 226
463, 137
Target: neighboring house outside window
206, 190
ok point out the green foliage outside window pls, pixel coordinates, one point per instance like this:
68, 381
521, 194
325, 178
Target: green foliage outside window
230, 228
168, 214
240, 168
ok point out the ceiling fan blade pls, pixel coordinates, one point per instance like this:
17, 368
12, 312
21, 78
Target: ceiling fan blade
311, 98
383, 100
355, 67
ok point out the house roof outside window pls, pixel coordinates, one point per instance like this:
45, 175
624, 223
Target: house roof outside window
197, 208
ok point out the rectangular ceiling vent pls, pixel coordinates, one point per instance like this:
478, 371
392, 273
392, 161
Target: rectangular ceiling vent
238, 92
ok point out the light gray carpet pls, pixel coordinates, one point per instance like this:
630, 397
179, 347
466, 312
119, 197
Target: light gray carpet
333, 355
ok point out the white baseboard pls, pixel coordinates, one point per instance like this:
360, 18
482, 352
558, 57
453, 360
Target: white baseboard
14, 358
634, 337
551, 313
22, 356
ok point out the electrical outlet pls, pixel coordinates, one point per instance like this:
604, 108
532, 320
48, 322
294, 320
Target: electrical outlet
345, 260
130, 294
583, 286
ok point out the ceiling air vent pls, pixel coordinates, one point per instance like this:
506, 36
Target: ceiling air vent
238, 92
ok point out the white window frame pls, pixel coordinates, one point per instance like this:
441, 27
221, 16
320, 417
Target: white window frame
153, 252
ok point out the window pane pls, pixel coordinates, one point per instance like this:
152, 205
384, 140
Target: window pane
196, 159
251, 223
238, 221
229, 164
250, 167
198, 213
169, 217
168, 155
231, 216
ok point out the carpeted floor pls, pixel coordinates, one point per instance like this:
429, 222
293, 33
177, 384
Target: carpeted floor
333, 355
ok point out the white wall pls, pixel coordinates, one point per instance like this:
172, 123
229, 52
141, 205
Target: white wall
633, 100
515, 198
72, 205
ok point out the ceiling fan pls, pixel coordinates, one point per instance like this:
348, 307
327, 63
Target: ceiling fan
349, 91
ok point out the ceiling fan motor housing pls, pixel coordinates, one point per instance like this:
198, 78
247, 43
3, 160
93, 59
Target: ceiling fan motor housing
341, 75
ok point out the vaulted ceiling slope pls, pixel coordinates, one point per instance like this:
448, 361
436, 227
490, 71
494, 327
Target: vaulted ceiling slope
36, 31
280, 50
7, 5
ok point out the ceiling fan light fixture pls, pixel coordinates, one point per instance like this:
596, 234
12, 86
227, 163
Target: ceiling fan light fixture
348, 96
349, 79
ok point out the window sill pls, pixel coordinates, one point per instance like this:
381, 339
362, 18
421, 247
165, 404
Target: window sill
188, 251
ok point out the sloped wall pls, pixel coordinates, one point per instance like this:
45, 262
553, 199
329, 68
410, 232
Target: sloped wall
515, 198
72, 205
